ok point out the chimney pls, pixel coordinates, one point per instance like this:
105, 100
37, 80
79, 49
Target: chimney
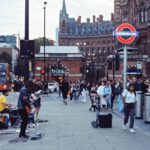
88, 20
112, 17
79, 19
101, 18
94, 18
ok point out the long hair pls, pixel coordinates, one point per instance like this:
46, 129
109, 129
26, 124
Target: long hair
130, 86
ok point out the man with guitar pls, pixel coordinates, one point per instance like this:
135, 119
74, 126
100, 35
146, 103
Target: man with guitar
24, 107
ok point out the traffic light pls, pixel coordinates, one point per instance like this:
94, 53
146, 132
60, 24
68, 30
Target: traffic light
42, 72
27, 48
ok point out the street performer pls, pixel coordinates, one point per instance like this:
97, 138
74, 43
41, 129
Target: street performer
24, 107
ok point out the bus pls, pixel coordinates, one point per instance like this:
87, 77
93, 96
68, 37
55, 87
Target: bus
4, 77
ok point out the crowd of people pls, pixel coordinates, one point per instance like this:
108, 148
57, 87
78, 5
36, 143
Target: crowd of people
107, 91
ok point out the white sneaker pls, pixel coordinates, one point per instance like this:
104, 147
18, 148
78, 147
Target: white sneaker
132, 131
124, 127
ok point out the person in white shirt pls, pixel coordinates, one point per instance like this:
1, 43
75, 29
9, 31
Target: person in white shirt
101, 93
108, 93
129, 100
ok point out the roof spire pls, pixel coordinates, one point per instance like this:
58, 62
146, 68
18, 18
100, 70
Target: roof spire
64, 11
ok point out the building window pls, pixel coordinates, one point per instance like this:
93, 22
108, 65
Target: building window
64, 23
70, 43
100, 51
63, 43
104, 42
87, 43
108, 50
146, 16
93, 43
143, 16
98, 43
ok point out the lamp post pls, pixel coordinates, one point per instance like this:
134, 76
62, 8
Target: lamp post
113, 66
26, 38
45, 2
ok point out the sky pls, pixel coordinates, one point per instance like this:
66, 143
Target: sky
12, 15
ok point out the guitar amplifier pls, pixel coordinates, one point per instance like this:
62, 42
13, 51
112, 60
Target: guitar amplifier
105, 120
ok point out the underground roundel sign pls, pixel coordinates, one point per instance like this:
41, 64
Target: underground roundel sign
126, 33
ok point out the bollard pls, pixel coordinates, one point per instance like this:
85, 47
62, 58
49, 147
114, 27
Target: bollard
139, 105
147, 108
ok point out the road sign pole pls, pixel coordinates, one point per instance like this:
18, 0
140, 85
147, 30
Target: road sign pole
125, 68
120, 34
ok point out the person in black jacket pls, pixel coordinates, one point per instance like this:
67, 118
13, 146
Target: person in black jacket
65, 90
24, 107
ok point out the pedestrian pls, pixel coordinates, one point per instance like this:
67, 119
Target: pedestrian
4, 105
60, 88
65, 90
71, 90
37, 91
83, 94
93, 96
129, 100
76, 91
108, 94
101, 94
113, 95
118, 92
24, 107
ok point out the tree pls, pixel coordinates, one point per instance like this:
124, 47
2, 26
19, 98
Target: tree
40, 42
5, 58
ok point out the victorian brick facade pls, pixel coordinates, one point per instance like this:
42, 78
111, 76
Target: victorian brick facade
137, 13
94, 38
61, 61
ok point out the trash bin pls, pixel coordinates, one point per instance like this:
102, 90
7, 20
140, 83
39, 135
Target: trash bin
139, 105
147, 108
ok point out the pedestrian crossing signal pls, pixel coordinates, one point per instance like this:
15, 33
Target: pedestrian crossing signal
42, 71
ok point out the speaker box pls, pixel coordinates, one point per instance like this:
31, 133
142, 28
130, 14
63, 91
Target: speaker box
105, 121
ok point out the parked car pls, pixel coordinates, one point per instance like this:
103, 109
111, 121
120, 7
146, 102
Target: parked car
52, 87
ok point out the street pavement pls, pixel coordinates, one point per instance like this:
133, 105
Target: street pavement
69, 128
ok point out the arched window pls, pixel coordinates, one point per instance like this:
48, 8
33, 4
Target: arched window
64, 23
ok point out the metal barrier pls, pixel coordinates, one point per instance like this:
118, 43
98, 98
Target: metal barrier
147, 108
139, 105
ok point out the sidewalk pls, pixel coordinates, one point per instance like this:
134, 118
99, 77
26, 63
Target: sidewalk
69, 128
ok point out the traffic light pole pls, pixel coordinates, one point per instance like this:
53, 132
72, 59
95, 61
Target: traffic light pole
26, 58
45, 82
44, 46
125, 68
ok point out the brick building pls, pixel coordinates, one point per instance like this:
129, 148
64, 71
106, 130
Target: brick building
61, 61
94, 38
137, 13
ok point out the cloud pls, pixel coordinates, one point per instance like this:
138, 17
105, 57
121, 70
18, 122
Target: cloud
12, 14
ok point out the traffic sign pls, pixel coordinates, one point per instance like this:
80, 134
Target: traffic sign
120, 33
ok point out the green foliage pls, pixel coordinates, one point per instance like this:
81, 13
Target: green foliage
40, 42
5, 58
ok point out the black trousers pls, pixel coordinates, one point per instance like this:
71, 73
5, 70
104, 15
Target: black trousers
112, 100
24, 117
129, 110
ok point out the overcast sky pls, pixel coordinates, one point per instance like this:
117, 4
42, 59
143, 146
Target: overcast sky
12, 14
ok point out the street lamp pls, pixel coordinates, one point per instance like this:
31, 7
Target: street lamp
44, 40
